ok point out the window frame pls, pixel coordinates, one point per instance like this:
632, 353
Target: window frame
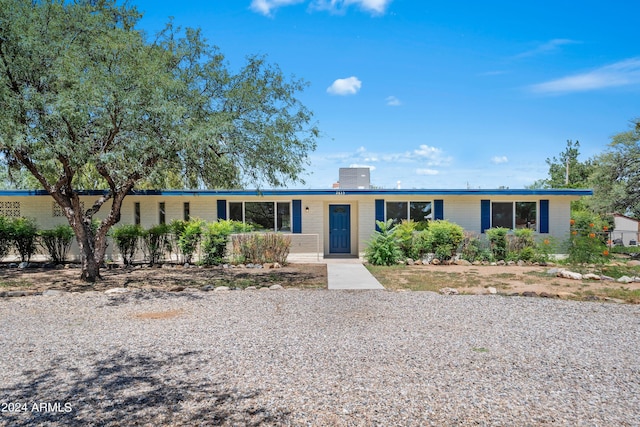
514, 214
277, 216
408, 210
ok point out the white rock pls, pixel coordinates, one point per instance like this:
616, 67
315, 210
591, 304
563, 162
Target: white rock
492, 290
221, 288
569, 275
625, 279
276, 287
116, 291
448, 291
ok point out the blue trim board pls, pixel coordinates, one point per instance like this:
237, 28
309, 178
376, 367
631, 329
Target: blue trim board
222, 209
327, 192
438, 209
485, 215
379, 211
296, 217
544, 216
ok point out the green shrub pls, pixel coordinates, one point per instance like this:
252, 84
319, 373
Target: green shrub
444, 238
521, 245
498, 239
587, 242
57, 242
190, 238
420, 245
6, 240
216, 237
259, 248
475, 249
404, 234
176, 229
383, 248
156, 242
126, 238
24, 234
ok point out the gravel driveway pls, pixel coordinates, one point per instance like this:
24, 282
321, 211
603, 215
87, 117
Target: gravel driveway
317, 358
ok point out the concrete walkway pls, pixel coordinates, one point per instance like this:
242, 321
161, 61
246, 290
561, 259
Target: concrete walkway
349, 274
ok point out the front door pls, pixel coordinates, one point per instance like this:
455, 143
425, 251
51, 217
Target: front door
339, 229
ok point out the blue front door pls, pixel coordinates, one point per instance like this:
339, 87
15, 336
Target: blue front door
339, 229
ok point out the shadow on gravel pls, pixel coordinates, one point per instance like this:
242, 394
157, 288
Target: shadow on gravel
132, 390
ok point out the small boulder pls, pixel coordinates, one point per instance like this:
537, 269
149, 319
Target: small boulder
435, 261
276, 265
566, 274
449, 291
491, 290
591, 276
116, 291
625, 279
53, 292
462, 262
221, 288
276, 287
267, 265
410, 261
633, 263
177, 289
529, 294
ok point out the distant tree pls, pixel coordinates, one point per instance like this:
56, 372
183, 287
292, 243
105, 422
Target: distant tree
566, 171
616, 180
88, 101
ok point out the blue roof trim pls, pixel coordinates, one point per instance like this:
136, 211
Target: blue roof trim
327, 192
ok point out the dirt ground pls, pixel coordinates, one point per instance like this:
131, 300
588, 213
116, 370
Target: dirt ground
507, 280
171, 278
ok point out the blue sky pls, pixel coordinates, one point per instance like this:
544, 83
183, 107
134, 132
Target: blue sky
460, 94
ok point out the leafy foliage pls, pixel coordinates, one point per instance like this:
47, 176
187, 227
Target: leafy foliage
444, 238
89, 102
189, 238
24, 233
587, 243
126, 238
156, 242
498, 238
216, 237
383, 248
567, 161
57, 242
474, 249
405, 233
5, 236
259, 248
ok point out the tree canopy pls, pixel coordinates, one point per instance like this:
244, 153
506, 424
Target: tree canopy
566, 171
616, 180
88, 101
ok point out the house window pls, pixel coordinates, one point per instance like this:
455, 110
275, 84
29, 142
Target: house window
162, 215
262, 215
416, 211
186, 211
136, 213
514, 215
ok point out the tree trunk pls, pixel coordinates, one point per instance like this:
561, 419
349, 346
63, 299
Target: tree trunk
90, 263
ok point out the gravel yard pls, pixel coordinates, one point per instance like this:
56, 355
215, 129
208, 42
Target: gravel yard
317, 357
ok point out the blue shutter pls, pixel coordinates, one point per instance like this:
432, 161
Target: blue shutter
485, 215
379, 211
296, 223
222, 209
438, 209
544, 216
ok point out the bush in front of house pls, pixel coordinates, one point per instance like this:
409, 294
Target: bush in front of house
473, 248
156, 242
215, 238
383, 248
259, 248
588, 240
24, 235
443, 238
190, 238
57, 242
498, 242
405, 233
126, 238
6, 240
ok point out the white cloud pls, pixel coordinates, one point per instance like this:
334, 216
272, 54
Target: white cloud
349, 86
623, 73
499, 159
427, 172
375, 7
266, 6
392, 101
550, 46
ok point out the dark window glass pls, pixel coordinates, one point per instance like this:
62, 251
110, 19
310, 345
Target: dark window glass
284, 217
235, 211
502, 215
136, 213
162, 216
526, 215
260, 214
186, 211
420, 211
397, 211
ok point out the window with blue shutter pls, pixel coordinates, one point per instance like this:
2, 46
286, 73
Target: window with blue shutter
297, 216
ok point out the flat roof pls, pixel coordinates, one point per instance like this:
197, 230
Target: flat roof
328, 192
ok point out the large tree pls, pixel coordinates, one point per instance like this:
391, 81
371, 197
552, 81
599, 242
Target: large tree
566, 171
86, 98
616, 180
